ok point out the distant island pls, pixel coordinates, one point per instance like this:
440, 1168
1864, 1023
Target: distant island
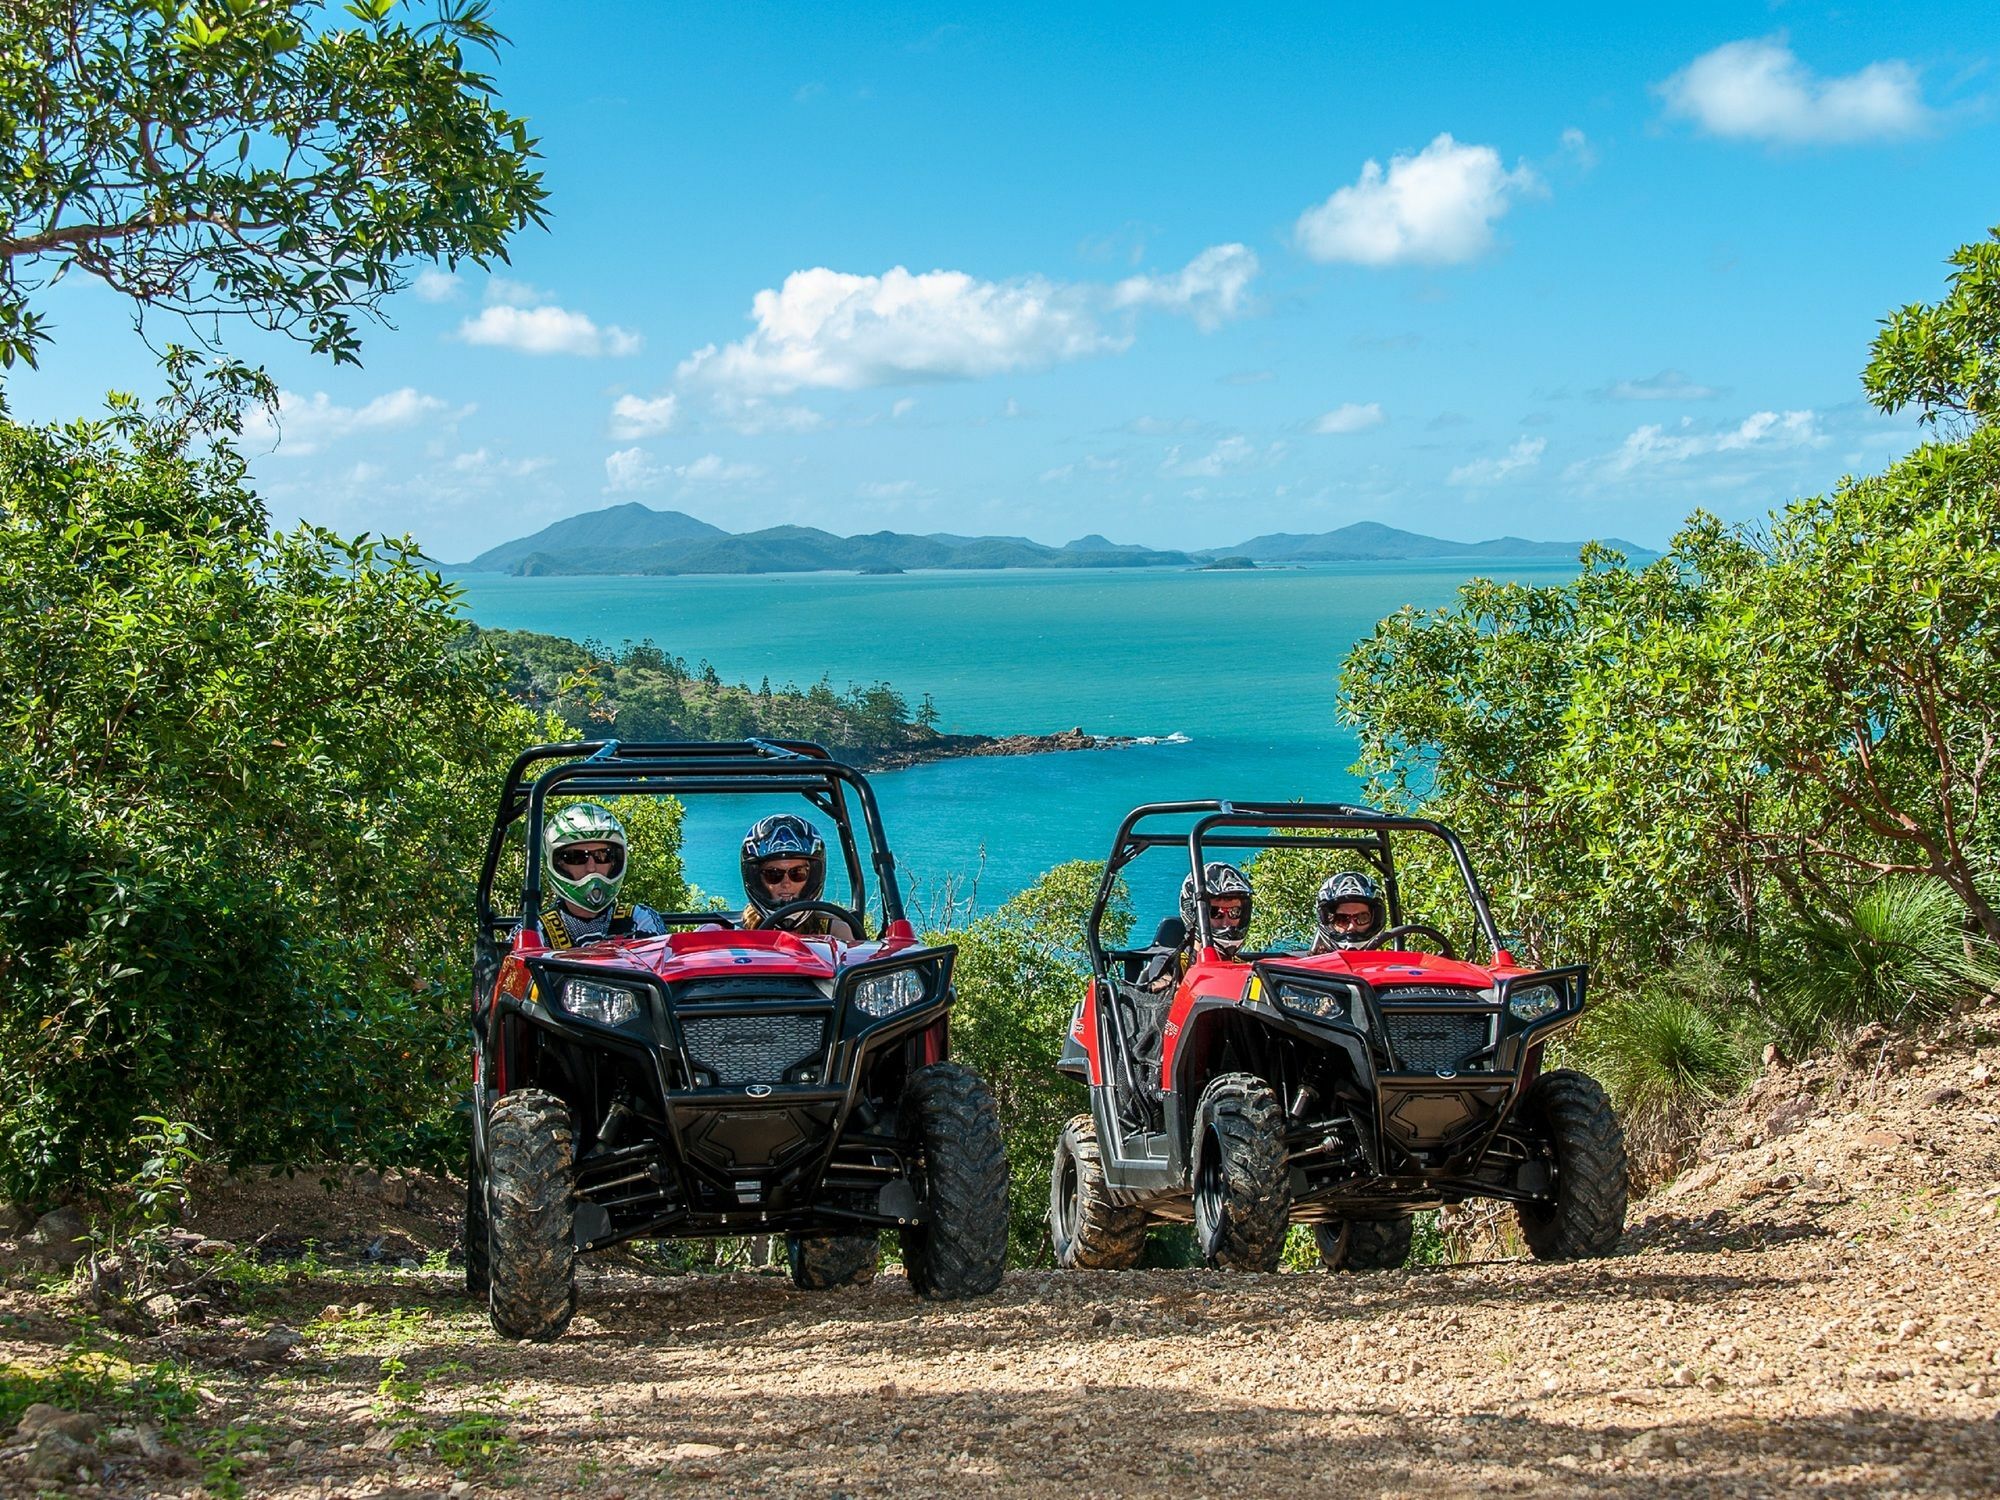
641, 692
635, 539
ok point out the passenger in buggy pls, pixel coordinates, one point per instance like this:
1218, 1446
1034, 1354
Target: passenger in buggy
584, 859
1226, 895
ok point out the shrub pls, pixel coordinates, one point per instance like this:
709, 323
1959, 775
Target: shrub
244, 781
1665, 1053
1901, 954
1019, 976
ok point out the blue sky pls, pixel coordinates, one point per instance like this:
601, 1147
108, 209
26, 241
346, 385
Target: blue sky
1178, 275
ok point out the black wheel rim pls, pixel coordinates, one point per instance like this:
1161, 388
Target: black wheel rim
1068, 1189
1208, 1192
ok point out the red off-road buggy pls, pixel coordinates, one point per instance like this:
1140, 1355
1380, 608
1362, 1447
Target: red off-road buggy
716, 1081
1346, 1090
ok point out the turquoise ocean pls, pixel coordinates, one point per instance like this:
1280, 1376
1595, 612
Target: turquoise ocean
1239, 667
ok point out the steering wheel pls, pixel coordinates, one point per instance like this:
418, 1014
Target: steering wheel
777, 915
1444, 948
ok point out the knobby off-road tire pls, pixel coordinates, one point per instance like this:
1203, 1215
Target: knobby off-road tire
476, 1250
1089, 1231
1242, 1193
1586, 1218
962, 1250
1364, 1244
820, 1262
530, 1187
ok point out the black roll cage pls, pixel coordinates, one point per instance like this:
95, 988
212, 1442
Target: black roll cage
613, 768
1368, 833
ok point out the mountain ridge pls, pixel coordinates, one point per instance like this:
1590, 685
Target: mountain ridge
634, 539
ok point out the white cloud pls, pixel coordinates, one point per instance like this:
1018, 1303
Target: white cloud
638, 417
1758, 89
894, 489
504, 291
1435, 208
1350, 416
1576, 146
1525, 454
1212, 288
303, 425
631, 469
830, 330
754, 416
1653, 446
1090, 463
1232, 455
483, 466
546, 330
903, 407
1668, 385
433, 285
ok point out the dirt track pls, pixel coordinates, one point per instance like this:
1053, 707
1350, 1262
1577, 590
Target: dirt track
1814, 1310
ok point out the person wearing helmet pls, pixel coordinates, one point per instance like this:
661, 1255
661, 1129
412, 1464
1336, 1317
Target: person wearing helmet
1351, 912
1225, 894
583, 863
784, 860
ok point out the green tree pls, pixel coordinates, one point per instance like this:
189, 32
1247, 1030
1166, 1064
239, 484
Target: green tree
271, 159
1020, 972
243, 783
1944, 357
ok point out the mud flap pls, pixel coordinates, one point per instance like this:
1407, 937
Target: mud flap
589, 1224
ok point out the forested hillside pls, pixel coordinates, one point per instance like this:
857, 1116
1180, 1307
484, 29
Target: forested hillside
641, 692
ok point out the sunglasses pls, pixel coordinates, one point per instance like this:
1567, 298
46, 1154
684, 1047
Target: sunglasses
784, 874
612, 860
1227, 913
1344, 920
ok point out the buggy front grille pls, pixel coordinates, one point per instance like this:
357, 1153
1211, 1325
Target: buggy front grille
754, 1048
1426, 1041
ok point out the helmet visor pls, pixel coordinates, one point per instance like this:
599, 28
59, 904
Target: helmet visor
579, 860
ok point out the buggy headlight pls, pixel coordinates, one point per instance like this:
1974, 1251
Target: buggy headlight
1323, 1005
1535, 1003
881, 995
606, 1004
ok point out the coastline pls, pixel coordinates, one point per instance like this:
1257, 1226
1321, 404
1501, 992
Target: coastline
971, 746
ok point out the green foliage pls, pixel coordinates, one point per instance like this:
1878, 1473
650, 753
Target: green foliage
1944, 357
474, 1441
1750, 744
243, 783
91, 1376
1668, 1051
1900, 954
260, 158
641, 692
1019, 976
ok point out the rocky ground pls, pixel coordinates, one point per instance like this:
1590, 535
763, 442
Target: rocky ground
1814, 1308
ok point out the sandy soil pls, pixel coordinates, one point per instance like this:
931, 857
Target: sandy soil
1814, 1308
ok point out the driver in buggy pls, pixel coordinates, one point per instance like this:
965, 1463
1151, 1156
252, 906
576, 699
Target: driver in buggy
1351, 912
583, 860
784, 860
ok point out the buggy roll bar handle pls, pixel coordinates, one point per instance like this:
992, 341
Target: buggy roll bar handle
811, 759
1324, 815
1228, 816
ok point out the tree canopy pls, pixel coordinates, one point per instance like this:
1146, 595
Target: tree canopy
269, 159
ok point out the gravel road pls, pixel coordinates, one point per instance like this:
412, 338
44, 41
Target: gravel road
1813, 1309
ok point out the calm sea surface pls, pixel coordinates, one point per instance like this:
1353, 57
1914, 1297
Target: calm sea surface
1242, 664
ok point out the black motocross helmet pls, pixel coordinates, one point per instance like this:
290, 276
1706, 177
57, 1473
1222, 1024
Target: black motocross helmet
1344, 889
1218, 879
780, 836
